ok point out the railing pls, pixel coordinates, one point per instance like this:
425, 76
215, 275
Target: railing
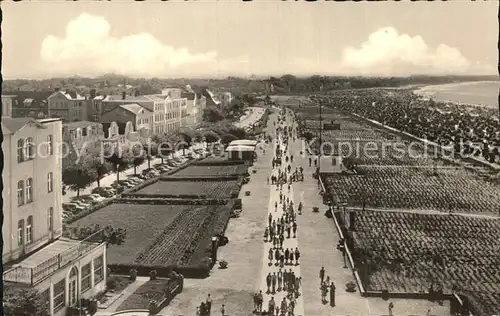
34, 275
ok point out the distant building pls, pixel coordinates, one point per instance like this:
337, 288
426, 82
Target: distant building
189, 111
7, 103
29, 104
225, 98
69, 105
212, 100
63, 270
83, 133
141, 117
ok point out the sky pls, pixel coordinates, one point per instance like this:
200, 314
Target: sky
217, 39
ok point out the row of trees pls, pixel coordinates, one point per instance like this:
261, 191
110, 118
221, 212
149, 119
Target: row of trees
79, 172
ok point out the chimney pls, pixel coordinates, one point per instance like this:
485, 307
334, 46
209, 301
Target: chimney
57, 89
124, 95
92, 93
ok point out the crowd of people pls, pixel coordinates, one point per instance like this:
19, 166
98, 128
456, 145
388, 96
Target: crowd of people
470, 130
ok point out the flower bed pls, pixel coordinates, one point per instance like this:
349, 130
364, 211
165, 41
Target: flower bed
213, 170
160, 290
189, 189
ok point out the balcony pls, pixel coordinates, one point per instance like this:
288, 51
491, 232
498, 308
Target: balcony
47, 260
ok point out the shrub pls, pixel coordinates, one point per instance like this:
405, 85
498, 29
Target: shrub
133, 274
247, 193
315, 209
153, 275
111, 283
223, 264
350, 287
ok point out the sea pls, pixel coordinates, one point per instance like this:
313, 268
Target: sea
484, 93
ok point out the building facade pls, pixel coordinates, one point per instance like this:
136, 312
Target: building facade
141, 117
8, 102
62, 270
83, 134
68, 105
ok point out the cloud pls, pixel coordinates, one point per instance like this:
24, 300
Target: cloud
89, 49
386, 52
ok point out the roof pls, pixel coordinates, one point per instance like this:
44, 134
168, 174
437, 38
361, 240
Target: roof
48, 252
243, 142
11, 125
9, 95
212, 96
134, 108
119, 98
28, 101
188, 95
80, 124
240, 148
69, 94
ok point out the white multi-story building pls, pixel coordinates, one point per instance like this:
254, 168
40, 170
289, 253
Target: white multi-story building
63, 270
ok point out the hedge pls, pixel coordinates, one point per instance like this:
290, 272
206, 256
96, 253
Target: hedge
163, 201
201, 178
192, 272
165, 196
219, 163
90, 210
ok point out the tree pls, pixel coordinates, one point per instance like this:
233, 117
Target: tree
187, 139
100, 166
108, 234
240, 133
212, 115
24, 302
79, 176
163, 146
138, 156
150, 148
267, 100
228, 138
120, 158
211, 137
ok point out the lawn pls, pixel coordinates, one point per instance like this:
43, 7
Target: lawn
210, 189
142, 222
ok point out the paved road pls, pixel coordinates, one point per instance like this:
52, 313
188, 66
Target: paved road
254, 114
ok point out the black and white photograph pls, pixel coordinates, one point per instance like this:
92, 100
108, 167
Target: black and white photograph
240, 158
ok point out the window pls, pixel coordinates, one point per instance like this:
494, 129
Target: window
50, 148
29, 190
96, 118
29, 230
20, 233
20, 150
29, 148
50, 218
98, 269
86, 282
20, 193
50, 179
84, 132
59, 293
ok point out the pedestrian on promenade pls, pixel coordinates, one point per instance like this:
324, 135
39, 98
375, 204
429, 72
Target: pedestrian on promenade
293, 301
277, 255
273, 281
298, 282
324, 292
291, 278
284, 306
198, 313
332, 295
280, 280
310, 161
282, 239
291, 256
327, 280
266, 233
271, 306
209, 304
270, 219
275, 206
268, 282
260, 300
294, 227
322, 274
271, 233
391, 306
270, 256
288, 230
287, 255
223, 310
282, 258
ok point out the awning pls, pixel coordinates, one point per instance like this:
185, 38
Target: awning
240, 148
243, 142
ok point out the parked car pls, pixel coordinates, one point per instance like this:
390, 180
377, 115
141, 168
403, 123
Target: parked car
72, 208
106, 192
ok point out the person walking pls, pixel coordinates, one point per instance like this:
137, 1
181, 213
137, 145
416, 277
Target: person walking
287, 255
270, 256
391, 306
223, 310
270, 219
284, 306
322, 274
268, 282
280, 280
288, 230
282, 239
332, 295
271, 306
274, 282
198, 313
266, 234
291, 256
260, 299
294, 228
209, 304
282, 258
